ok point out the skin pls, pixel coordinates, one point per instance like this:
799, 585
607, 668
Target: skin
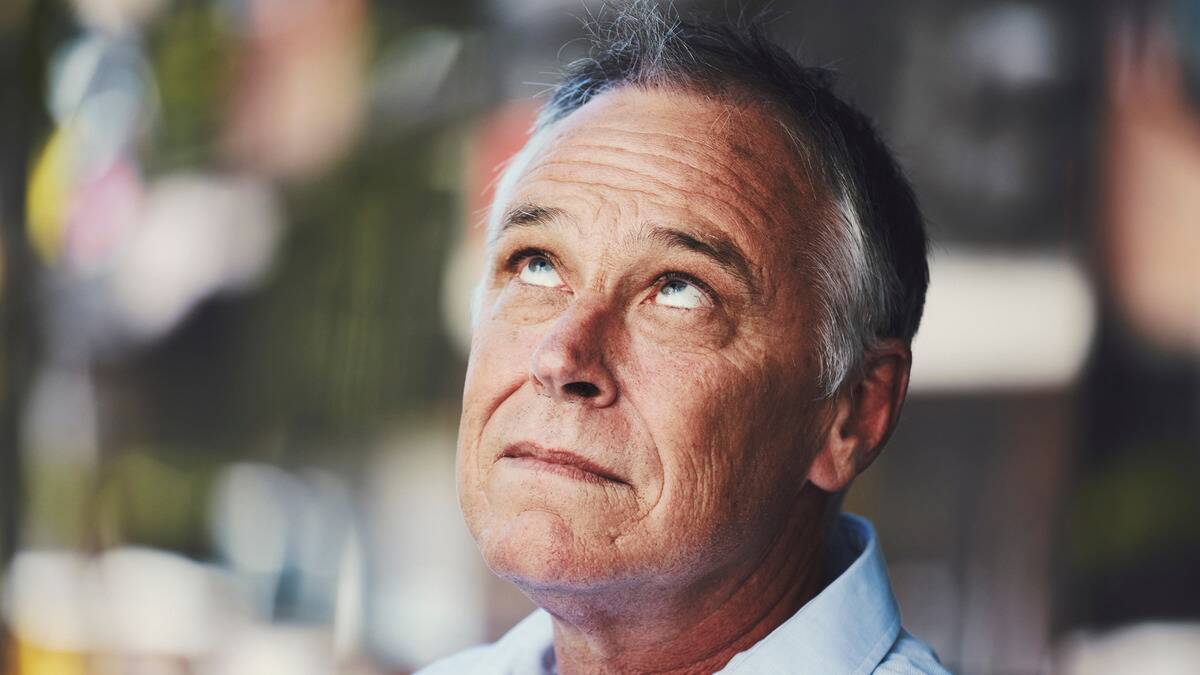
686, 381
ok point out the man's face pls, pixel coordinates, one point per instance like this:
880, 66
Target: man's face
639, 400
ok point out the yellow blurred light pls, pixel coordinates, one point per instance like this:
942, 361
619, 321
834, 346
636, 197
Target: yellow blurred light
48, 195
31, 659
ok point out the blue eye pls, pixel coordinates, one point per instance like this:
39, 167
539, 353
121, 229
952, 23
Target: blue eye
681, 294
539, 271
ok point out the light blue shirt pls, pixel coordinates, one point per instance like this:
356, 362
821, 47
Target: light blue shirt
851, 627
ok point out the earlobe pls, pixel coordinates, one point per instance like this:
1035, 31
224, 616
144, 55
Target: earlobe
863, 417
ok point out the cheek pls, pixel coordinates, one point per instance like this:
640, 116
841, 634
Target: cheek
682, 334
726, 433
696, 406
502, 345
498, 365
522, 305
498, 362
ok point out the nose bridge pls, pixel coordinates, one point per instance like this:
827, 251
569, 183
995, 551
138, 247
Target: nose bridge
569, 361
572, 342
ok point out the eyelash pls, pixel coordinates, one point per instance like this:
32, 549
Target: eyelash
513, 264
514, 261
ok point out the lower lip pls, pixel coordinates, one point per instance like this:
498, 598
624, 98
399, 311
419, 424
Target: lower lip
564, 470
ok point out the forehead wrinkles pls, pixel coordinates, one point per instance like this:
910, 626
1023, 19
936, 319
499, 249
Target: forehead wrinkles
699, 181
734, 127
723, 157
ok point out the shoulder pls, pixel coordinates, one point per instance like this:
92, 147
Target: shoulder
910, 656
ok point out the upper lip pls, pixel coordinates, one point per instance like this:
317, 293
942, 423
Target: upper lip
560, 456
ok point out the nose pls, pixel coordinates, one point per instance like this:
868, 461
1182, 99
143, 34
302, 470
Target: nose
568, 364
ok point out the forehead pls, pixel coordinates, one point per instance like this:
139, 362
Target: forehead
676, 155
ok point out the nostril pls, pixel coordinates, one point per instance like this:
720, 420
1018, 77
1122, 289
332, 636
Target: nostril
581, 389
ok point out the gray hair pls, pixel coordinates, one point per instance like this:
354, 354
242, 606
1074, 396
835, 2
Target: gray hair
868, 265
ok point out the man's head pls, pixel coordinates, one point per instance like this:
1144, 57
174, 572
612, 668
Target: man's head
703, 276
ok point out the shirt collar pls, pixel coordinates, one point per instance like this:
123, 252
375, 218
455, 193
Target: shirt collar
847, 628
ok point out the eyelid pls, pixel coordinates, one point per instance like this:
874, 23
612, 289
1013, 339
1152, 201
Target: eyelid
684, 276
524, 253
514, 263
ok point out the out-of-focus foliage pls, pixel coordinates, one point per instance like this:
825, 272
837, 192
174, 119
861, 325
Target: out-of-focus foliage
193, 52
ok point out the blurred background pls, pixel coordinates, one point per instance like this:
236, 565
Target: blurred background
236, 238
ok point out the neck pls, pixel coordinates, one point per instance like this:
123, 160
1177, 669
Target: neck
698, 630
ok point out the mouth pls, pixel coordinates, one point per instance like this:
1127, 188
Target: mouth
561, 462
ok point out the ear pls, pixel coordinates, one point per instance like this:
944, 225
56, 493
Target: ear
862, 417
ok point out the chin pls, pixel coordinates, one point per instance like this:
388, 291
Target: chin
538, 552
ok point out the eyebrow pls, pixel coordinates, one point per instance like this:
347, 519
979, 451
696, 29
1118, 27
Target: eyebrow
526, 215
715, 246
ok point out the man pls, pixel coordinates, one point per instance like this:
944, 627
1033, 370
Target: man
704, 273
